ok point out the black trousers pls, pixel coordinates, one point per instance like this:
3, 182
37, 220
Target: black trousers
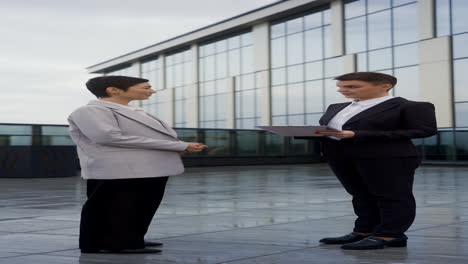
118, 212
382, 191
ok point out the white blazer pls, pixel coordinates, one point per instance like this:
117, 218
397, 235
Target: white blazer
114, 142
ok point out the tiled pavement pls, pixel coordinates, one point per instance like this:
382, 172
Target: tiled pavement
255, 214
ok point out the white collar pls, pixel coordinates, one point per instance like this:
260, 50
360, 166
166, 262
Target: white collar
374, 100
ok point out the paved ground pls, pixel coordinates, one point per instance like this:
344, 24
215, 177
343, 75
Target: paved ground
261, 214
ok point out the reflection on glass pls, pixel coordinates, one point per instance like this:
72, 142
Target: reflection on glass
314, 70
406, 55
408, 83
294, 25
459, 16
15, 130
405, 24
379, 27
278, 53
373, 6
355, 35
461, 115
278, 100
460, 76
314, 96
295, 44
277, 30
295, 98
313, 44
354, 8
380, 59
295, 73
460, 49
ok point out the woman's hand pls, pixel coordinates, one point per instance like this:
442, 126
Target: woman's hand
195, 147
338, 134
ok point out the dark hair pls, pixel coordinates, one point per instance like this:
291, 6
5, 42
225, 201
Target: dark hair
98, 85
371, 77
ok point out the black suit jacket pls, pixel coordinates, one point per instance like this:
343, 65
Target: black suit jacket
384, 130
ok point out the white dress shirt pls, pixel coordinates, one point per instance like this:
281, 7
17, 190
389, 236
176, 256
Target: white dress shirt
353, 109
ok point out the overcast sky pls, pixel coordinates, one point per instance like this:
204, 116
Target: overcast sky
47, 44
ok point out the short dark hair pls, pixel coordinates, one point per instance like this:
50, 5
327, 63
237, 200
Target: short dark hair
98, 85
371, 77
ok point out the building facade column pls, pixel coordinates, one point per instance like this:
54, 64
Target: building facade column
337, 27
426, 19
169, 104
193, 93
435, 77
261, 40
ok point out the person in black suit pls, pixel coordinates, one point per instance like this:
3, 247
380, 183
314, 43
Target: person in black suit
368, 147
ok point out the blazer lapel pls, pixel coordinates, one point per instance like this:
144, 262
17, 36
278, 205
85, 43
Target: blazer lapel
166, 126
332, 112
389, 104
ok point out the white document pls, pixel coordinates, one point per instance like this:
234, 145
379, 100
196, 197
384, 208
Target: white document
296, 131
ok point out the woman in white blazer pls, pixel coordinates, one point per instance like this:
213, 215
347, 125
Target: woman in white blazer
126, 155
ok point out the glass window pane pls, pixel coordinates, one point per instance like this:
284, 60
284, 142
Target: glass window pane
373, 6
402, 2
331, 94
405, 24
313, 119
221, 65
278, 98
295, 98
355, 35
221, 46
234, 42
314, 70
313, 20
408, 83
278, 52
209, 107
326, 17
460, 70
380, 59
209, 49
221, 107
379, 30
362, 62
295, 48
327, 42
248, 103
278, 30
294, 25
234, 62
246, 39
279, 120
15, 130
443, 17
296, 73
314, 96
209, 68
313, 44
461, 114
278, 76
459, 16
221, 86
258, 103
460, 48
296, 120
406, 55
355, 8
247, 59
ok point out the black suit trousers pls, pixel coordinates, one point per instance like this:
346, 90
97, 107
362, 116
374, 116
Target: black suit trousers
118, 212
382, 192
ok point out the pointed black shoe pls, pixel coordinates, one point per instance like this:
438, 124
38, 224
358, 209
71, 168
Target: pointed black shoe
349, 238
376, 243
152, 244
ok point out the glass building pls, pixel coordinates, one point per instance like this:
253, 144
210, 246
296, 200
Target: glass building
275, 65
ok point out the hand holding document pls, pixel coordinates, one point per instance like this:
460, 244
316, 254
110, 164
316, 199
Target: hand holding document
296, 131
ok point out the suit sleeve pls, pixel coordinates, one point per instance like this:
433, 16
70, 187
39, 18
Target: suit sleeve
418, 121
100, 126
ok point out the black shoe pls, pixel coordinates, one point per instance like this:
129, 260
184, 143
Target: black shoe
349, 238
152, 244
376, 243
121, 251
